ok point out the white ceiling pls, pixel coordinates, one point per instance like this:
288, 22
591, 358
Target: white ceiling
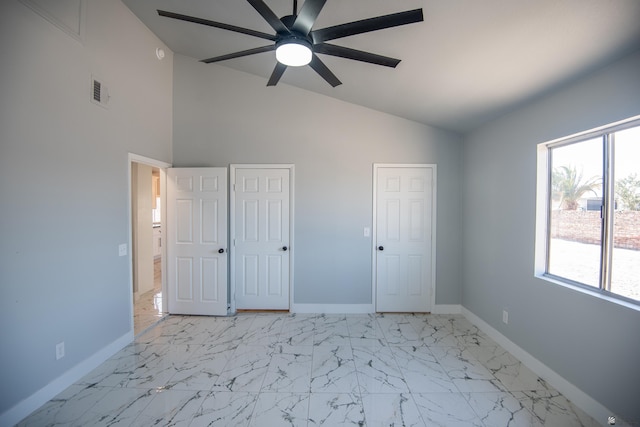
468, 62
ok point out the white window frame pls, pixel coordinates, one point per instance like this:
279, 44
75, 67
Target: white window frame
543, 190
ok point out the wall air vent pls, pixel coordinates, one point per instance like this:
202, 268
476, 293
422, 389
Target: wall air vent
99, 93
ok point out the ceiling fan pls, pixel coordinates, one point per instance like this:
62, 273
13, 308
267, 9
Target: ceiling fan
297, 44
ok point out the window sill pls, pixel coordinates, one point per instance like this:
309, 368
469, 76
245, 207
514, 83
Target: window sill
597, 293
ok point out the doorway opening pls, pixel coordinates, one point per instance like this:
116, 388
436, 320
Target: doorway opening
147, 212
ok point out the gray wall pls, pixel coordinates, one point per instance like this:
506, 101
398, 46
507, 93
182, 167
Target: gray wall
592, 343
223, 116
63, 181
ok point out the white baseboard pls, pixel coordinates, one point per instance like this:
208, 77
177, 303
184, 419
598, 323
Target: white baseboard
27, 406
582, 400
333, 308
363, 308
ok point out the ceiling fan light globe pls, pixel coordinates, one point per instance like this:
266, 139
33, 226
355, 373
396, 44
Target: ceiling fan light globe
293, 54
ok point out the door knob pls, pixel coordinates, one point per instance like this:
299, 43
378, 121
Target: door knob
220, 251
381, 248
284, 248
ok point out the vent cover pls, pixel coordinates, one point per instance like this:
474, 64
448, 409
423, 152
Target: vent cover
99, 92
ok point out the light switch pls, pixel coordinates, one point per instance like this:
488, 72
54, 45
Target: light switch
367, 232
122, 250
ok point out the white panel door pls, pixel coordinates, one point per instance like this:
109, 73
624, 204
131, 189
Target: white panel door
404, 213
261, 238
197, 241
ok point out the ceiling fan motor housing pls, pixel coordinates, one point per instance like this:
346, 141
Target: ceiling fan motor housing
293, 48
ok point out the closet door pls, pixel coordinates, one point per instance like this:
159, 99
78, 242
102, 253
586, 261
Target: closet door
261, 237
405, 213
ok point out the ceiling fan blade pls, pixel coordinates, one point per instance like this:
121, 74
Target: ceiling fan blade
367, 25
239, 54
277, 73
308, 15
358, 55
324, 72
269, 16
217, 25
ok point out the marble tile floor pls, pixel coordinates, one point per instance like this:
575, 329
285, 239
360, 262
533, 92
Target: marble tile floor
270, 370
147, 308
147, 311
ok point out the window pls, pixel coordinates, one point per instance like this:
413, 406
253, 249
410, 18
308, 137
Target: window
589, 211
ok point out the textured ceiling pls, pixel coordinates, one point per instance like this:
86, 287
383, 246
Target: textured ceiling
468, 62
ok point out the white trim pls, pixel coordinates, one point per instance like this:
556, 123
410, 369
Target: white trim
434, 223
333, 308
148, 161
232, 226
585, 402
542, 210
611, 127
595, 292
363, 308
25, 407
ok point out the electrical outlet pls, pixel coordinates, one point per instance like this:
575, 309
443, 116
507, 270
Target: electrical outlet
60, 350
505, 317
122, 250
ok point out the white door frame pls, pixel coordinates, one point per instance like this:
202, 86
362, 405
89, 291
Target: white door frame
374, 266
232, 226
135, 158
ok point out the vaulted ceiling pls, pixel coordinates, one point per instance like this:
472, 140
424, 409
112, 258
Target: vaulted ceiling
468, 62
